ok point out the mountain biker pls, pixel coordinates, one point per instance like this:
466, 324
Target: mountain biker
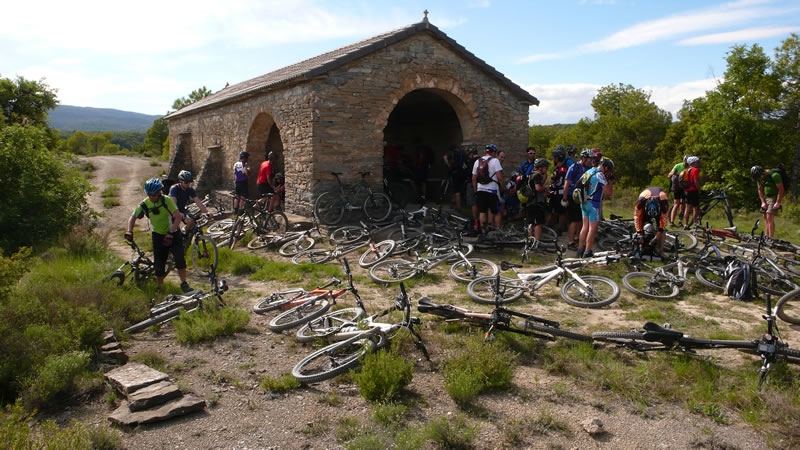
264, 180
573, 209
558, 213
652, 205
590, 210
770, 190
241, 174
182, 192
166, 234
486, 194
679, 202
692, 192
280, 193
526, 168
536, 210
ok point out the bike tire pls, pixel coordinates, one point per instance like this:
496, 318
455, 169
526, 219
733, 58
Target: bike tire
532, 325
686, 241
548, 234
377, 207
221, 226
712, 279
328, 324
149, 322
312, 256
477, 268
205, 255
405, 246
393, 270
347, 235
609, 243
118, 277
602, 292
482, 290
382, 250
296, 246
329, 208
335, 359
275, 223
276, 299
788, 307
626, 338
259, 242
643, 285
299, 315
772, 283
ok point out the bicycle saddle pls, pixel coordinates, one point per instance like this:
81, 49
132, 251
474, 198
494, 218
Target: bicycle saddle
505, 265
426, 304
655, 332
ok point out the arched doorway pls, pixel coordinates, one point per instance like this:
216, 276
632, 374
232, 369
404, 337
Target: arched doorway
423, 126
264, 137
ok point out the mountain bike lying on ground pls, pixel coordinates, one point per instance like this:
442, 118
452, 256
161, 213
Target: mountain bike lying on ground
788, 307
140, 266
357, 338
660, 283
655, 337
375, 252
171, 307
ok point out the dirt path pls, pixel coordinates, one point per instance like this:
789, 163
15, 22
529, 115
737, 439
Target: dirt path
241, 415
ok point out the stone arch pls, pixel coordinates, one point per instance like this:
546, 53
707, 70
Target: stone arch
263, 136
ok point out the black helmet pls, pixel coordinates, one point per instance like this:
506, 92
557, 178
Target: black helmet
185, 176
559, 152
243, 155
278, 176
755, 172
608, 163
541, 162
271, 156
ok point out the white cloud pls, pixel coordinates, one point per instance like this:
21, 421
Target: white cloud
749, 34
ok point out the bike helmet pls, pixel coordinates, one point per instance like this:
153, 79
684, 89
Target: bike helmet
608, 163
243, 155
271, 156
185, 176
491, 148
755, 172
649, 229
153, 186
522, 197
559, 153
652, 207
571, 149
541, 162
278, 176
692, 159
587, 153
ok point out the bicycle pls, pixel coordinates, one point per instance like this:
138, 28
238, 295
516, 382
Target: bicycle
289, 298
654, 337
788, 307
255, 215
203, 250
140, 266
172, 306
329, 207
377, 251
659, 284
710, 201
587, 291
463, 269
354, 339
300, 240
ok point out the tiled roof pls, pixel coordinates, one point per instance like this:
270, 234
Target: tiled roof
326, 62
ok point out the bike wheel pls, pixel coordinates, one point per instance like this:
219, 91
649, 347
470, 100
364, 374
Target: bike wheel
609, 243
347, 235
312, 256
274, 223
329, 208
377, 207
532, 325
296, 246
770, 282
712, 279
149, 322
381, 251
393, 270
335, 359
473, 268
600, 291
686, 241
406, 245
259, 242
299, 314
788, 307
625, 338
220, 226
276, 299
205, 255
482, 290
548, 234
647, 285
328, 324
237, 232
118, 277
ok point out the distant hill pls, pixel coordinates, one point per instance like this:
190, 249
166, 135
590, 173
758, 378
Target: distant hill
74, 118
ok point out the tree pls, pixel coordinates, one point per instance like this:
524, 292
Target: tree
787, 69
25, 101
156, 136
197, 94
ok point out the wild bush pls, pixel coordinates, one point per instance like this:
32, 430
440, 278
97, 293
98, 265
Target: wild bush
209, 323
478, 367
56, 377
383, 375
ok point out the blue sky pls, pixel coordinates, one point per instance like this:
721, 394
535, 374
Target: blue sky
140, 56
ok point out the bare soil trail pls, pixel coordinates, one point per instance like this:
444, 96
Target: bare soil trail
241, 415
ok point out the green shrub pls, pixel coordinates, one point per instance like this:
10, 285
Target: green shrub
390, 414
477, 368
285, 383
209, 323
383, 374
451, 432
57, 376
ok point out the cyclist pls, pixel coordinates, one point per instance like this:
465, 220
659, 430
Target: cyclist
537, 202
770, 191
590, 210
573, 209
692, 192
679, 202
182, 193
166, 234
486, 195
241, 174
526, 168
264, 180
652, 205
280, 193
558, 213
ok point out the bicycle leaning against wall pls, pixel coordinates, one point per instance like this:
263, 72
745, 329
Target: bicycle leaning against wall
330, 207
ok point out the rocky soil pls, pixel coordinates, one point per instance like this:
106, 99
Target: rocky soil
241, 415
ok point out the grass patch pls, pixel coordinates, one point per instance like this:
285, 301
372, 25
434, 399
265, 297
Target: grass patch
383, 375
209, 323
282, 384
151, 359
109, 203
477, 368
111, 191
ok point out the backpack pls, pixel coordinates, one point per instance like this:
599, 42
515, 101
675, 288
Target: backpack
742, 283
683, 179
525, 188
167, 183
146, 210
483, 171
782, 172
581, 193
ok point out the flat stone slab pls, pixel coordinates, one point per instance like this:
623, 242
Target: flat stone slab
134, 376
154, 394
177, 407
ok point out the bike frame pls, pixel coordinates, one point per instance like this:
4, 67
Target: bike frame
711, 200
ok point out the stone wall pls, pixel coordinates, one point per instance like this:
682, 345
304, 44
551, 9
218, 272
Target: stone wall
336, 122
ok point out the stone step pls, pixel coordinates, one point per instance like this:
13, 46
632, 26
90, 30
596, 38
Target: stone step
153, 395
134, 376
173, 408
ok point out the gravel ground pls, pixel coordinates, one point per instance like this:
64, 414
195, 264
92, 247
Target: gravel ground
241, 415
